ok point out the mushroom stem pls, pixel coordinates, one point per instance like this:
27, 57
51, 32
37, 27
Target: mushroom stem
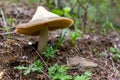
43, 37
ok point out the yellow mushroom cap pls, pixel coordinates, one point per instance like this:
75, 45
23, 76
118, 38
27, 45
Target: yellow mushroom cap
42, 19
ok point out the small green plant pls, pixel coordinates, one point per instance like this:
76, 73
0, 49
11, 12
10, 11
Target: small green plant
94, 50
105, 28
6, 28
57, 72
50, 50
75, 34
115, 54
85, 76
57, 11
66, 12
102, 55
36, 66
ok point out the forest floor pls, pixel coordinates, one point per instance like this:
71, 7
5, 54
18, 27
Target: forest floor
92, 49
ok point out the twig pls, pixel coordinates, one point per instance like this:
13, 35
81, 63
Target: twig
6, 33
3, 17
46, 74
41, 58
44, 63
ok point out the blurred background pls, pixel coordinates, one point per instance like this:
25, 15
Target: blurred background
90, 16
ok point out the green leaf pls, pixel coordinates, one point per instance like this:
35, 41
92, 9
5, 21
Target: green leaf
84, 76
87, 73
36, 66
20, 67
118, 55
57, 72
112, 49
27, 71
67, 9
57, 11
50, 50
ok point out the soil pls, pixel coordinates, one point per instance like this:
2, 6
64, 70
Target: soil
17, 49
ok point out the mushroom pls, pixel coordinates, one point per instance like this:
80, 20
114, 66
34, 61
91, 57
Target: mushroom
41, 22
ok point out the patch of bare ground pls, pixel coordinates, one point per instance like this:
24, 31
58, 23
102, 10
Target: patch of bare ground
21, 50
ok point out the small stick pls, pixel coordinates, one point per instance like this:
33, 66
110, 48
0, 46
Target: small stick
7, 33
3, 17
41, 58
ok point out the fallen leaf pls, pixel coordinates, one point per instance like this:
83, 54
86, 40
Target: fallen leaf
80, 61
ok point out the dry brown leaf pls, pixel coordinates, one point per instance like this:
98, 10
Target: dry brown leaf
80, 61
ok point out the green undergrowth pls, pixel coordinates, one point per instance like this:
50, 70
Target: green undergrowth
115, 54
7, 24
36, 66
51, 50
55, 72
